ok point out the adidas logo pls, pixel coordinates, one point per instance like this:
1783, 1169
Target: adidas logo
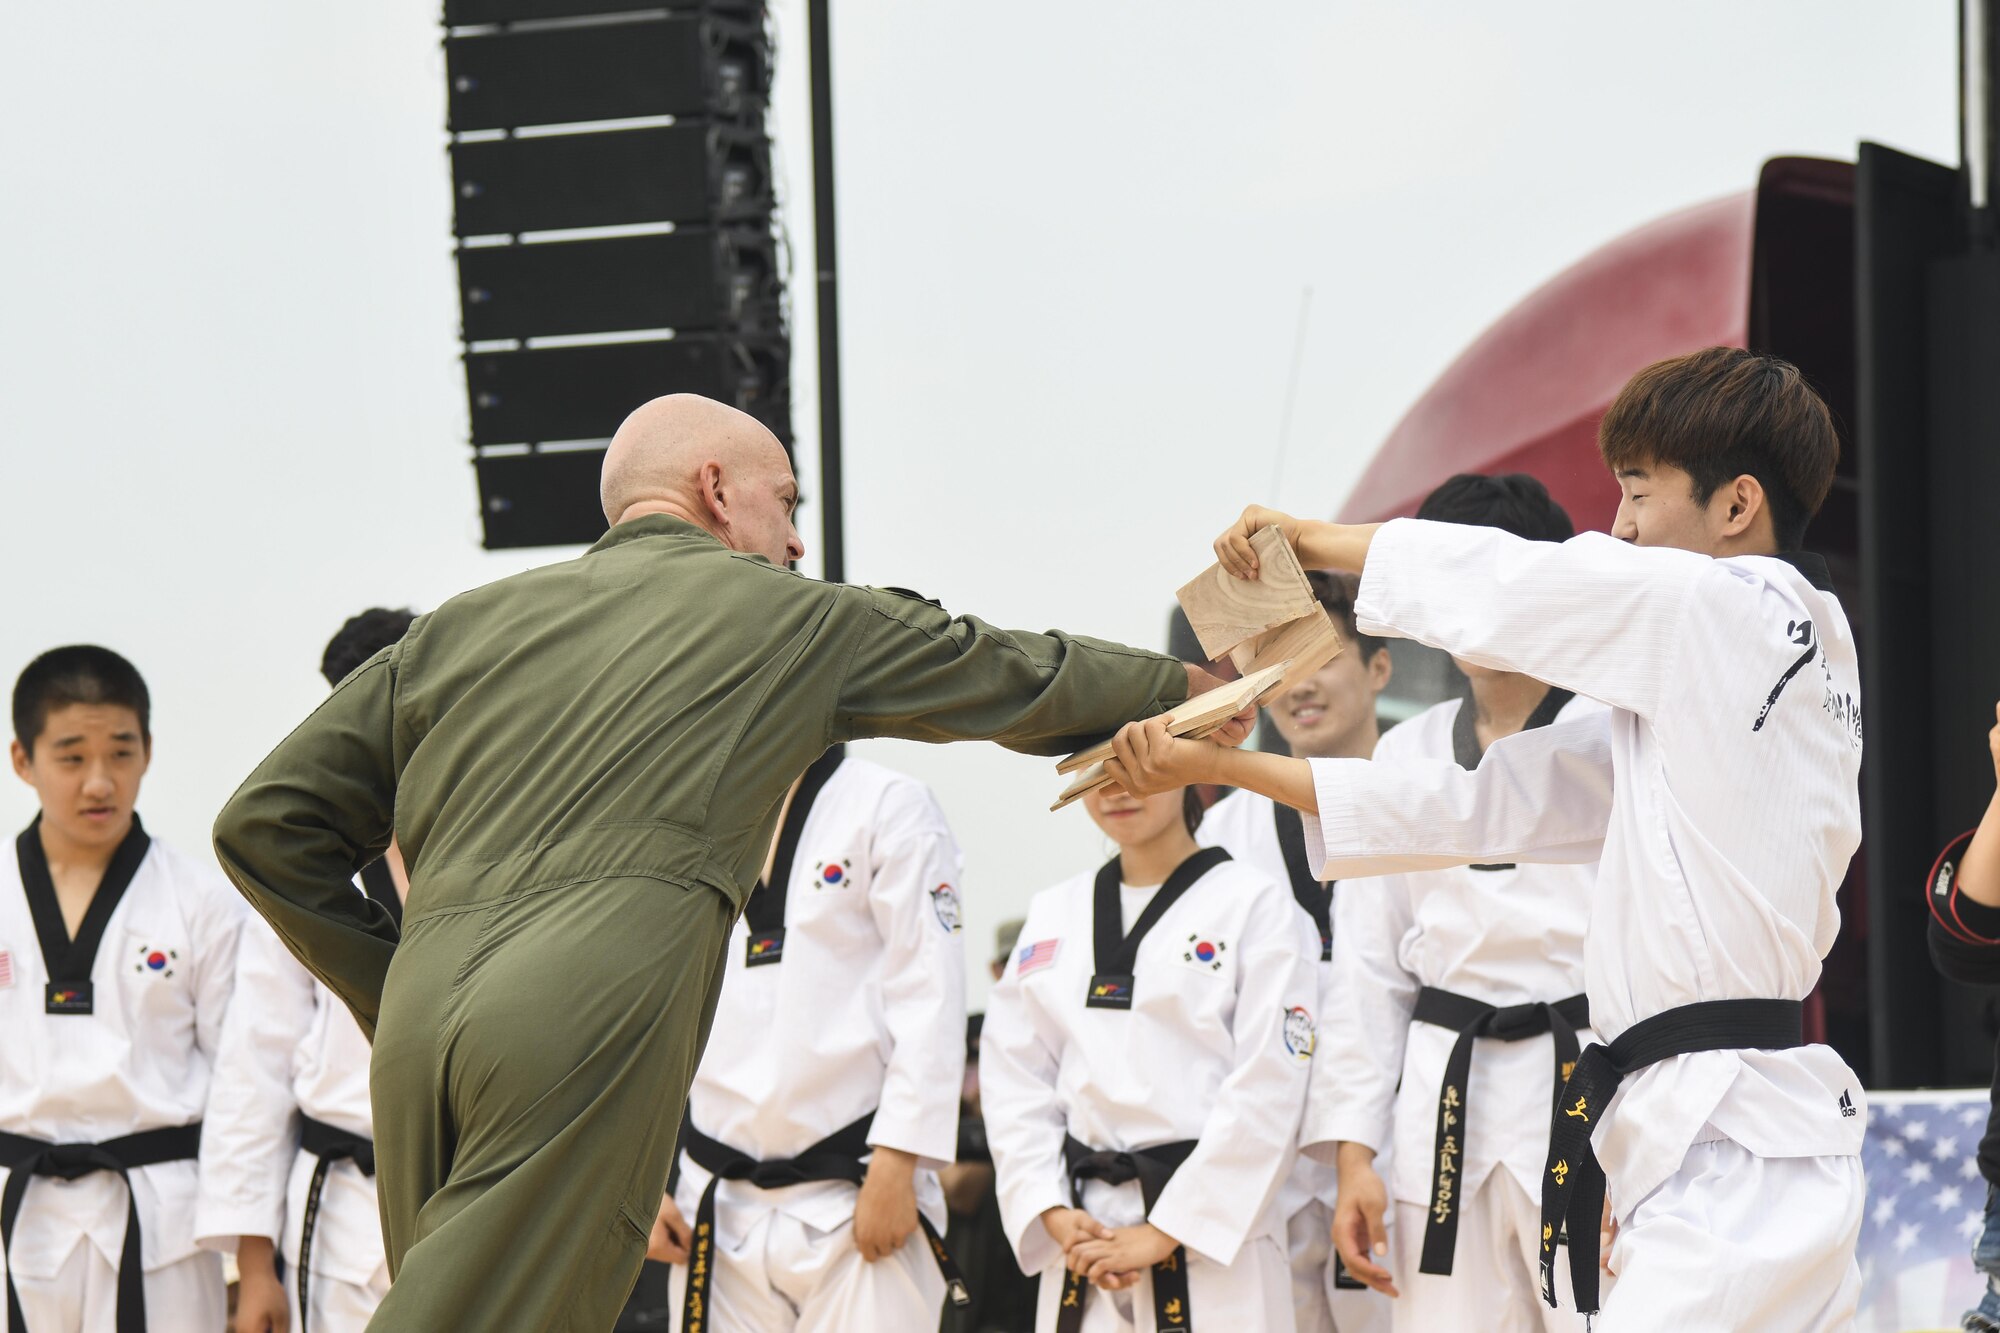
1846, 1104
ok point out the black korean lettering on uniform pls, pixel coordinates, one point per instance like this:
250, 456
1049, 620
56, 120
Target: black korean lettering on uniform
1801, 632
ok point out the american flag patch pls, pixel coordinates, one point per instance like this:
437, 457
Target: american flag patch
1036, 955
6, 970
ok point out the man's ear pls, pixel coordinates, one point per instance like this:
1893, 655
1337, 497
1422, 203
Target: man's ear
1743, 500
712, 494
19, 753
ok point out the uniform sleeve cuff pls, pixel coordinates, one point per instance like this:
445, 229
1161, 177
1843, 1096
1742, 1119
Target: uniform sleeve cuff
1034, 1247
1210, 1239
1374, 604
218, 1228
1321, 1136
927, 1139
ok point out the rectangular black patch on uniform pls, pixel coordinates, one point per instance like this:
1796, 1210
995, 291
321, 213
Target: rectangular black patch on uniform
68, 997
764, 946
1108, 991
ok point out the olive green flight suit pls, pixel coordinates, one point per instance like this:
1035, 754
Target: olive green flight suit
583, 765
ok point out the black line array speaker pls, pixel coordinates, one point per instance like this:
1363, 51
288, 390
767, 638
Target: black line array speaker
613, 202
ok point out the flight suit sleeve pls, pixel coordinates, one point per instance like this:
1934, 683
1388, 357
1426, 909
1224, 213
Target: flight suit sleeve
250, 1134
913, 895
1368, 1000
319, 807
1541, 796
1250, 1137
918, 673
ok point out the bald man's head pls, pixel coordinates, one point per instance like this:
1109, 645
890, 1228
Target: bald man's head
710, 464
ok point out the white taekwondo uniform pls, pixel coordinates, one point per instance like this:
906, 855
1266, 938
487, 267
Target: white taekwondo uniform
1251, 827
291, 1056
1503, 935
137, 1061
1720, 792
861, 1010
1213, 1054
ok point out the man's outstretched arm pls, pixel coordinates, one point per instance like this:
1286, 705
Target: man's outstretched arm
319, 807
1539, 796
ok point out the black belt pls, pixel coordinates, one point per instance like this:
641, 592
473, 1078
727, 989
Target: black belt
1472, 1019
1573, 1189
26, 1158
1152, 1168
330, 1145
838, 1156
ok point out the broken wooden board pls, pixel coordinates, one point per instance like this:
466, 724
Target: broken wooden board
1210, 710
1303, 646
1225, 610
1200, 716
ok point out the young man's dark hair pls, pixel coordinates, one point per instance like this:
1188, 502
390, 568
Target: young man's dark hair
1723, 413
80, 673
361, 638
1513, 502
1336, 592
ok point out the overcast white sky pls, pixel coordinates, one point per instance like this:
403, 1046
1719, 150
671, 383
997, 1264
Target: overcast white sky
1073, 242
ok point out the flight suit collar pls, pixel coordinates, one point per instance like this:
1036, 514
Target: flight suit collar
651, 525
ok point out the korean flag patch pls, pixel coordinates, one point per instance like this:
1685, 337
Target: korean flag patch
1300, 1035
1204, 952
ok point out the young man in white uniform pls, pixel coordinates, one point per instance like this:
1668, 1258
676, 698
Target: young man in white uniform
1721, 795
288, 1153
1329, 715
1461, 991
117, 956
840, 1033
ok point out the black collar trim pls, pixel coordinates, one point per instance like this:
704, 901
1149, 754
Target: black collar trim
70, 960
1811, 565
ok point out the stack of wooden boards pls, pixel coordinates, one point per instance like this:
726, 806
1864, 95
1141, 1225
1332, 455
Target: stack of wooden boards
1271, 628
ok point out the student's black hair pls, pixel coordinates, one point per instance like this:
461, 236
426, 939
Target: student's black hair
1192, 808
1514, 502
81, 673
361, 638
1336, 589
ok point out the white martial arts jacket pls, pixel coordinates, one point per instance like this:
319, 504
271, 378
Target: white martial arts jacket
1720, 792
1216, 1047
1245, 825
1506, 936
291, 1049
141, 1060
866, 1009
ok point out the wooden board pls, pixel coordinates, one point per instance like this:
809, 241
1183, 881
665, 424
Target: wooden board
1200, 716
1225, 610
1303, 646
1209, 710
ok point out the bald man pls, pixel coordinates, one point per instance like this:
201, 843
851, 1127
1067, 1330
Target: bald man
583, 765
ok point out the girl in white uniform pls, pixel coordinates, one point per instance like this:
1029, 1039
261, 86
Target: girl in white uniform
1143, 1067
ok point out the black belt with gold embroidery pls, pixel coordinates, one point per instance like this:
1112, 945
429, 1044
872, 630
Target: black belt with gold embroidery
1152, 1168
1472, 1019
330, 1145
1573, 1186
26, 1158
838, 1156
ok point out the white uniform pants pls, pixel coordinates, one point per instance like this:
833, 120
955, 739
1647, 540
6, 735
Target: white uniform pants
1495, 1282
787, 1277
1255, 1292
1736, 1241
1317, 1306
184, 1297
337, 1307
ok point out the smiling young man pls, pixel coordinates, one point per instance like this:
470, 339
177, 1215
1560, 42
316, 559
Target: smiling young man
1720, 792
117, 957
1328, 715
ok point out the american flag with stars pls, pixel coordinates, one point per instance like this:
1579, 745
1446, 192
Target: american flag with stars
1926, 1204
1032, 956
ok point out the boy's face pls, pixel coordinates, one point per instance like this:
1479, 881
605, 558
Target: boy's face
1331, 713
86, 768
1657, 507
